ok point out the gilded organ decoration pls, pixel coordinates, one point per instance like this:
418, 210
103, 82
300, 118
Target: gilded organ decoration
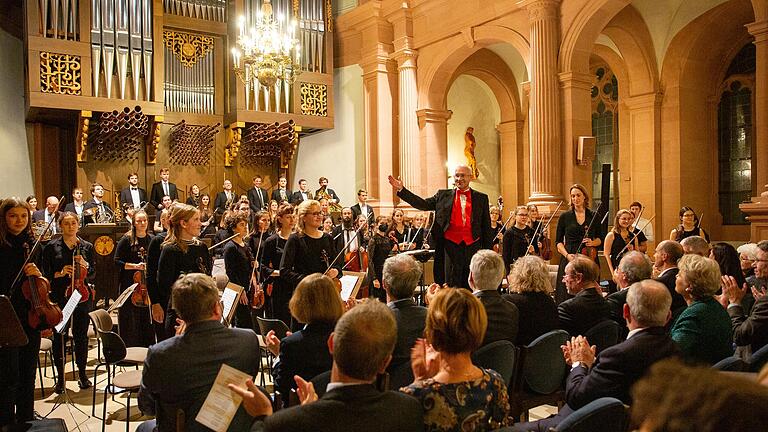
234, 140
314, 99
188, 48
60, 73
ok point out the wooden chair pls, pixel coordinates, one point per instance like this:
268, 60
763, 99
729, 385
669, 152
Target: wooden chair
114, 355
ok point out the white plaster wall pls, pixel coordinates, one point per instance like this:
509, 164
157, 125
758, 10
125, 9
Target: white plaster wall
339, 153
473, 104
16, 178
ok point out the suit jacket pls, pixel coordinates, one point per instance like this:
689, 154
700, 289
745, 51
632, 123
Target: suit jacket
668, 279
156, 195
304, 353
579, 314
258, 201
410, 320
442, 203
357, 211
277, 197
178, 372
296, 197
331, 193
220, 203
70, 207
125, 197
39, 215
703, 332
537, 315
616, 301
753, 329
617, 368
350, 408
91, 204
502, 317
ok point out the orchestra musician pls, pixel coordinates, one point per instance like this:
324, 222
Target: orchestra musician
640, 222
328, 226
17, 373
132, 196
206, 215
309, 250
379, 247
462, 214
77, 204
162, 188
399, 229
364, 231
638, 234
537, 224
166, 205
261, 231
182, 252
619, 241
225, 198
135, 322
345, 227
221, 234
302, 194
274, 206
325, 207
689, 226
48, 213
516, 242
281, 194
361, 208
104, 211
157, 309
193, 197
325, 192
32, 201
238, 262
257, 196
575, 235
496, 227
414, 237
278, 297
60, 256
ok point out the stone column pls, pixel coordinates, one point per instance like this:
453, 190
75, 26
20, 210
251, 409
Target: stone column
408, 127
433, 127
545, 126
760, 164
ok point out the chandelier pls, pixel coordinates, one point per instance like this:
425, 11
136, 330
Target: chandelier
267, 52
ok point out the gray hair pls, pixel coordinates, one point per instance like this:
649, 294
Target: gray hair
636, 266
400, 276
695, 245
649, 302
748, 249
487, 269
703, 275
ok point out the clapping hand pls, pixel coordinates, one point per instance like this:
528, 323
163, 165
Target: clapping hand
255, 402
273, 343
579, 350
305, 390
424, 360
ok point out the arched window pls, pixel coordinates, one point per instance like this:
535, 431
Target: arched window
605, 129
734, 130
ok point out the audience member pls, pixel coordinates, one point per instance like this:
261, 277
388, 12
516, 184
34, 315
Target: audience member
530, 288
617, 368
588, 307
728, 260
749, 329
678, 398
667, 254
747, 255
400, 276
695, 245
703, 329
633, 267
486, 270
455, 394
179, 372
315, 302
361, 345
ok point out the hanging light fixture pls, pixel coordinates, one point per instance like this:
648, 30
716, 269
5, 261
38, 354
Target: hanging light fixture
267, 52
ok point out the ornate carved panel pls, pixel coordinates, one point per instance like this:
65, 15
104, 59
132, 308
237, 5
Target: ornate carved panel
314, 99
60, 73
188, 48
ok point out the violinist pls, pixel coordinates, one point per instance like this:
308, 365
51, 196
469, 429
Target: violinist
157, 309
689, 226
134, 321
221, 234
309, 250
620, 241
274, 206
280, 294
17, 364
414, 237
60, 262
399, 229
638, 234
261, 232
517, 240
378, 251
327, 225
193, 197
206, 215
537, 225
238, 262
496, 227
577, 232
182, 252
364, 232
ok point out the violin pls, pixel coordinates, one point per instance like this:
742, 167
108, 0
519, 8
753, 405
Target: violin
589, 251
257, 299
43, 313
78, 277
140, 296
496, 241
545, 250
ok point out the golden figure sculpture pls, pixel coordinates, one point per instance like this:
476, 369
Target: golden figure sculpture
469, 150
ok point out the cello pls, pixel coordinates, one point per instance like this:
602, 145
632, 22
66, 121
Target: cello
140, 296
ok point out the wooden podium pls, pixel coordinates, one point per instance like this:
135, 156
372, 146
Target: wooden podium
757, 215
104, 238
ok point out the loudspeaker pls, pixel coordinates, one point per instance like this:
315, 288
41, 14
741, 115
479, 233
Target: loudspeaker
585, 150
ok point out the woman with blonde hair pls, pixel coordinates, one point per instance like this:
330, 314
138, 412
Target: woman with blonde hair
182, 252
530, 289
455, 394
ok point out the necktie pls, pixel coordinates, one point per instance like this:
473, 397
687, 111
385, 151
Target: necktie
463, 198
165, 189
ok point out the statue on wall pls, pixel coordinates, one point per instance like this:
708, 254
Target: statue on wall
469, 150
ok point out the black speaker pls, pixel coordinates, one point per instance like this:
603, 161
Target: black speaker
605, 196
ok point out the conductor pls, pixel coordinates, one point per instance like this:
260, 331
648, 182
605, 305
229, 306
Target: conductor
463, 215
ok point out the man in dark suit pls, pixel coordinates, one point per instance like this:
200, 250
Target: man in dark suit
588, 307
47, 214
163, 188
281, 193
361, 345
633, 267
170, 388
613, 372
325, 192
302, 194
344, 232
132, 196
104, 211
666, 256
77, 204
462, 214
361, 208
749, 330
257, 197
486, 271
225, 198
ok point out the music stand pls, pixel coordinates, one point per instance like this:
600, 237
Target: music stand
11, 333
422, 256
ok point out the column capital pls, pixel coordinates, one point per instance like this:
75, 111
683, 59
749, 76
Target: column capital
575, 79
378, 60
540, 9
429, 115
759, 30
405, 58
646, 100
512, 126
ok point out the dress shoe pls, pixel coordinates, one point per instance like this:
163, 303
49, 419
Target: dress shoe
83, 382
37, 417
59, 388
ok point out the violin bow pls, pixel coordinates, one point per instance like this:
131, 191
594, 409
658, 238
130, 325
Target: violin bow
589, 227
341, 252
428, 231
34, 247
543, 227
223, 241
634, 236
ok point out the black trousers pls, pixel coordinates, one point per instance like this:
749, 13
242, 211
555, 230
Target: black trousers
79, 323
457, 258
17, 380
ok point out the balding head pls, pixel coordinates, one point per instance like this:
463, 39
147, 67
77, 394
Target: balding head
634, 267
50, 203
669, 252
462, 176
648, 304
695, 245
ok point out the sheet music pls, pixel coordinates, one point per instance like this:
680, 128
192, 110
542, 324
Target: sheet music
122, 298
348, 283
68, 309
229, 299
221, 404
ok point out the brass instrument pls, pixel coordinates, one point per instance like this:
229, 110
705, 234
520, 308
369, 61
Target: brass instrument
40, 232
334, 207
117, 216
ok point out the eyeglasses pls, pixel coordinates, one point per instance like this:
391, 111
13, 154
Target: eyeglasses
688, 215
317, 213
